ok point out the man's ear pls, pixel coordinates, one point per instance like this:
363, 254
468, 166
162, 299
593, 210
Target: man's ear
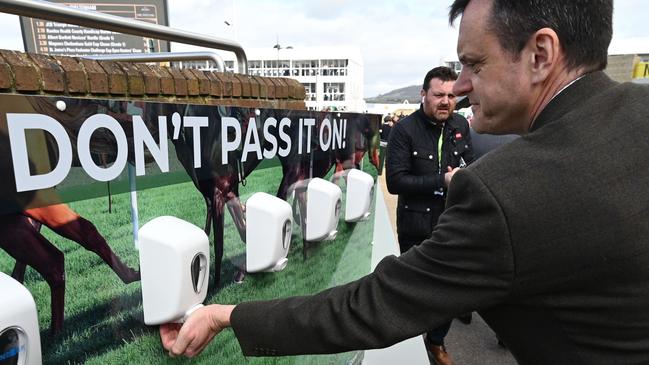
423, 94
544, 52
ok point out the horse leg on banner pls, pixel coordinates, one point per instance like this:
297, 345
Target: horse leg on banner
237, 211
218, 207
300, 198
27, 246
20, 267
67, 223
208, 218
19, 271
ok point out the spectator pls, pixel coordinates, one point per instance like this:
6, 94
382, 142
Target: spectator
424, 151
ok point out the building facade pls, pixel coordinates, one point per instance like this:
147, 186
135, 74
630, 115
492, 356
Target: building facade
628, 60
332, 76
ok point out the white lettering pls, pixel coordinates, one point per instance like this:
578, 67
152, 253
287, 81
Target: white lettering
196, 123
284, 123
141, 137
270, 122
299, 137
226, 145
309, 123
252, 141
326, 142
337, 134
17, 124
83, 147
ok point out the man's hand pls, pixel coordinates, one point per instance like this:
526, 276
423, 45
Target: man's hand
449, 175
195, 334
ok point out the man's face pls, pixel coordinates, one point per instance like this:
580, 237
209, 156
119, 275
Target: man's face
496, 83
439, 99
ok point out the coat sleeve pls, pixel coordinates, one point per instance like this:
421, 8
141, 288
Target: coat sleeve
466, 265
399, 178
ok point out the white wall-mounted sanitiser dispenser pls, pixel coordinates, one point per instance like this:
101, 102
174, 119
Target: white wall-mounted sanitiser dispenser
360, 186
269, 226
323, 200
174, 265
20, 339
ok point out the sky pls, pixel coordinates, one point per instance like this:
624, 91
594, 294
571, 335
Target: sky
399, 40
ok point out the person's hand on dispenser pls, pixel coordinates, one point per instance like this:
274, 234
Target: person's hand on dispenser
191, 337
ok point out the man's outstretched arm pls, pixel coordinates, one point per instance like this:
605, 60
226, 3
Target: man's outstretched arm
466, 265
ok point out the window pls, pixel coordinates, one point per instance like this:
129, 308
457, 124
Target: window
334, 91
229, 66
305, 67
310, 91
334, 67
455, 66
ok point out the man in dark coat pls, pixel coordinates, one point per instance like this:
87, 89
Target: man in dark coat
547, 237
424, 151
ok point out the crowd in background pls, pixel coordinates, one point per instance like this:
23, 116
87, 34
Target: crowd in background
388, 122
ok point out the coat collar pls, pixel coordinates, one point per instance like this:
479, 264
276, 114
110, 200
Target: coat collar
574, 94
432, 122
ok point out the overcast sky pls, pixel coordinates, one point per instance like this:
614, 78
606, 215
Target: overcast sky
399, 40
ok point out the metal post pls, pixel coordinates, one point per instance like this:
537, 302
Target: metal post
135, 221
280, 47
164, 57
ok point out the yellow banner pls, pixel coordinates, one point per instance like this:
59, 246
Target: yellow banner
641, 70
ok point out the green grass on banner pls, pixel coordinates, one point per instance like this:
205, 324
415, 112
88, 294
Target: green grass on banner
103, 316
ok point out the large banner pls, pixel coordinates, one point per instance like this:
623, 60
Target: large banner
81, 177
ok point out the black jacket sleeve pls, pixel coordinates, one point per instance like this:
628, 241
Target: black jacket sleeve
466, 265
398, 167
